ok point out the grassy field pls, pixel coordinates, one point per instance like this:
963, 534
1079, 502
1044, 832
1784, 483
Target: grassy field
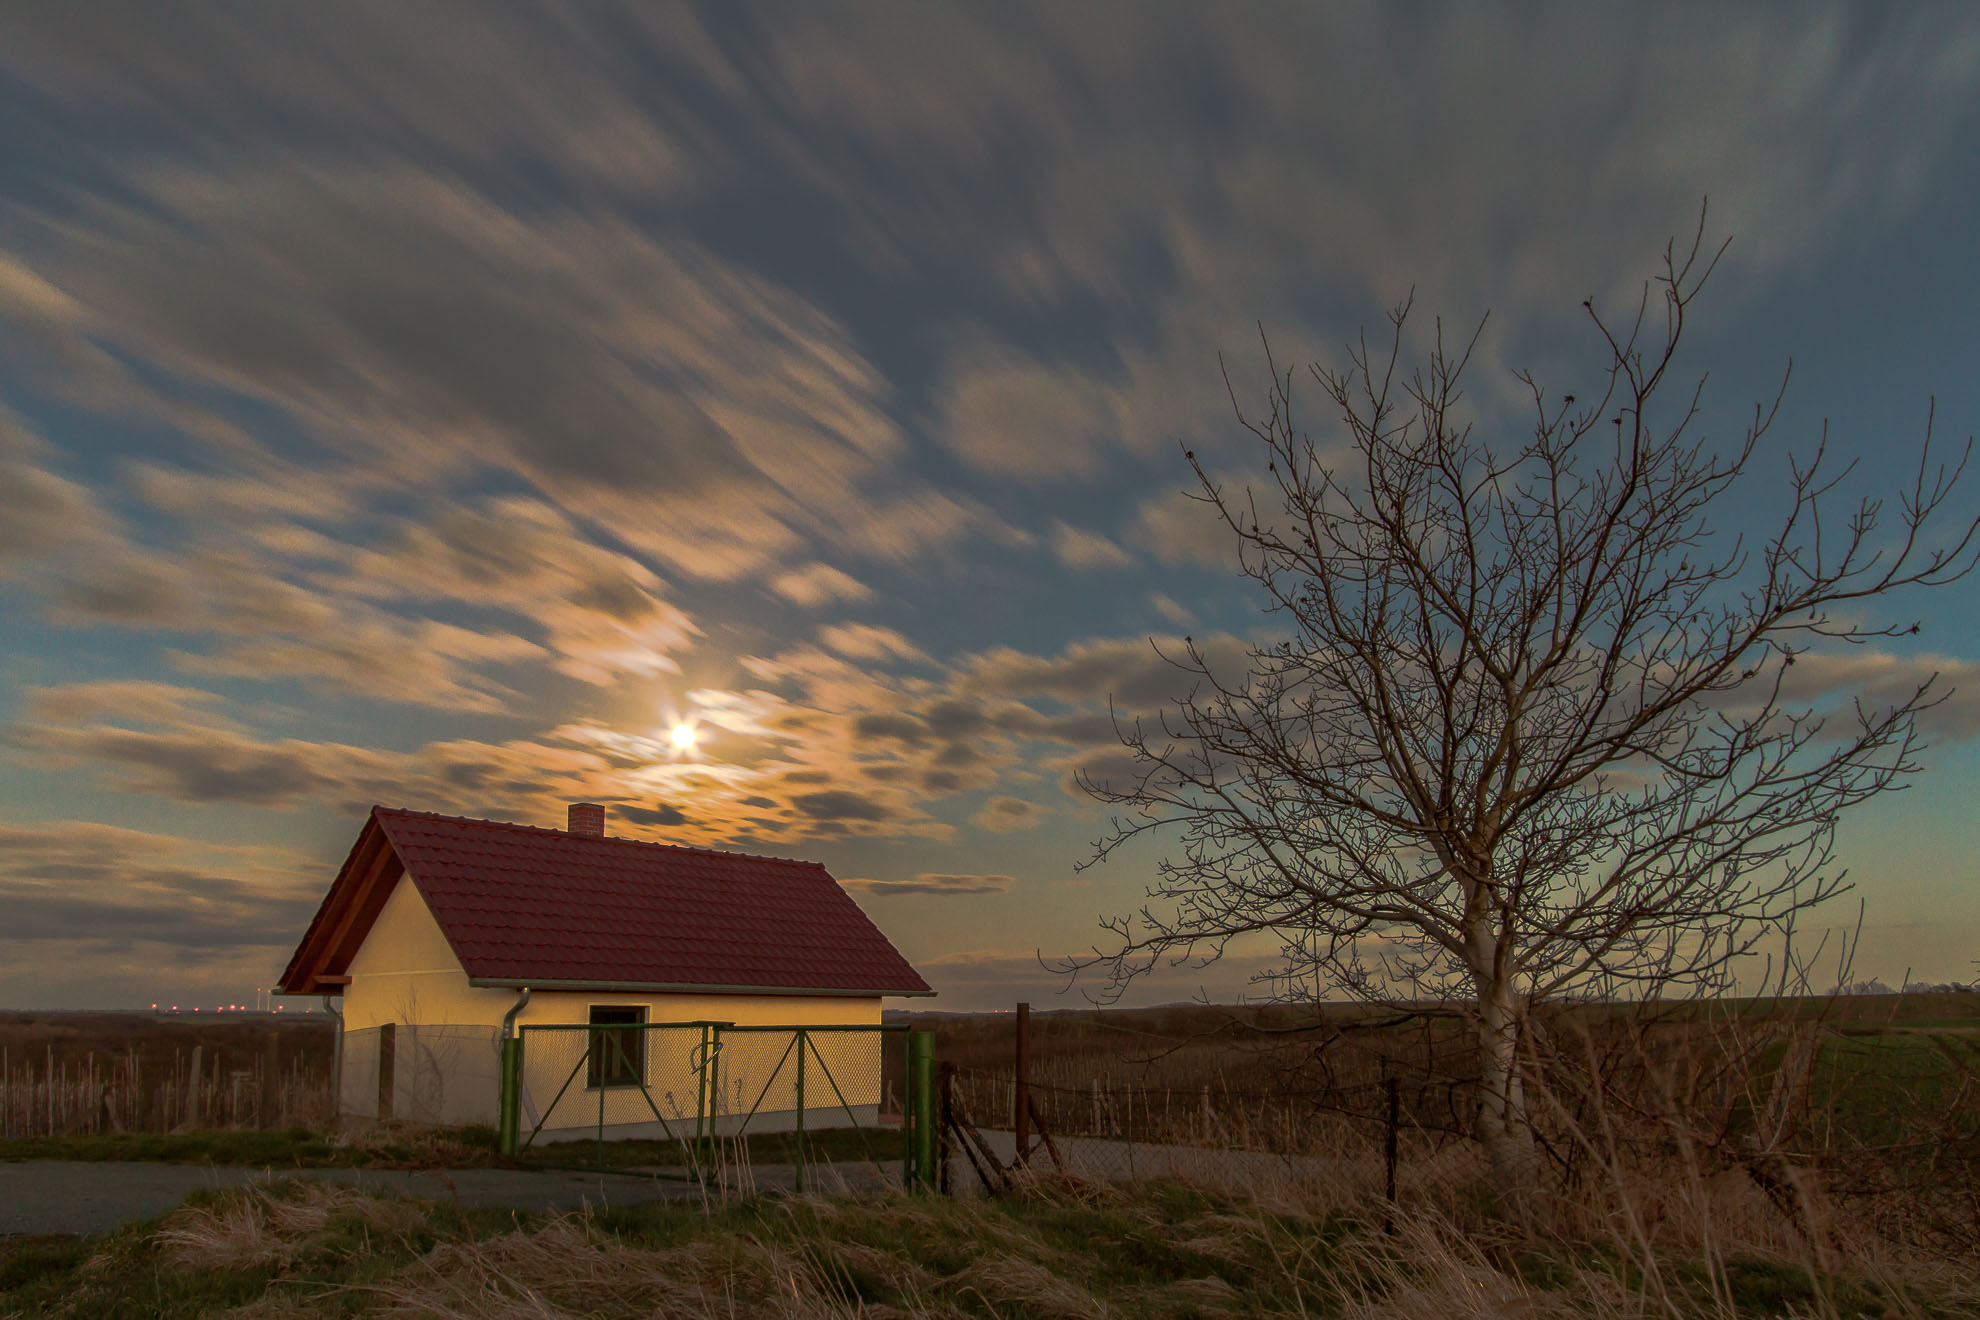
1751, 1159
67, 1073
1260, 1068
305, 1250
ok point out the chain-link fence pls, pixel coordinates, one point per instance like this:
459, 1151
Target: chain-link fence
438, 1075
828, 1093
614, 1082
783, 1079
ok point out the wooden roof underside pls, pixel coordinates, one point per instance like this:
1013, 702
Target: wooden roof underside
322, 959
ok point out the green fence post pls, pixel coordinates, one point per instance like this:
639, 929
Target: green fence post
511, 1093
704, 1103
801, 1039
921, 1063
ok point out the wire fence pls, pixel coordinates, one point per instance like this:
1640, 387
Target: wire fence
616, 1082
693, 1085
1877, 1111
774, 1079
432, 1074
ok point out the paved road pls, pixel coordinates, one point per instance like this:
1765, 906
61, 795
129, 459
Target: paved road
82, 1197
65, 1196
1128, 1161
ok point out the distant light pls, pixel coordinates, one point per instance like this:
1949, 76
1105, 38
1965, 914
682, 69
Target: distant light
683, 736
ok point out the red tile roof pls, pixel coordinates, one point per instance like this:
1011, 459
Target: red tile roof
527, 906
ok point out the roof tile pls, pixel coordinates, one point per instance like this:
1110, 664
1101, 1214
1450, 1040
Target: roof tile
532, 905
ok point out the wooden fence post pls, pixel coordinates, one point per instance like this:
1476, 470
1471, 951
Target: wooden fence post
271, 1083
387, 1049
1021, 1088
1389, 1156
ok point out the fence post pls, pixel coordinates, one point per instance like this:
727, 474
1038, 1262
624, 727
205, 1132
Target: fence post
921, 1070
270, 1100
910, 1108
511, 1093
193, 1078
1021, 1088
799, 1167
1389, 1155
387, 1057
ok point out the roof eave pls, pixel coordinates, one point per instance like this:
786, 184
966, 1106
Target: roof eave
687, 987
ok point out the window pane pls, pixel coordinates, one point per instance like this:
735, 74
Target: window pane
618, 1046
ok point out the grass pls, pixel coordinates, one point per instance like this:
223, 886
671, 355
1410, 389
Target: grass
1056, 1250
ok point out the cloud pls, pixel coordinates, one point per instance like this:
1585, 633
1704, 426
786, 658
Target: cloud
1007, 414
1134, 672
1002, 814
167, 741
207, 765
119, 886
499, 87
929, 882
660, 814
1179, 528
840, 805
427, 330
602, 612
818, 584
39, 510
865, 641
1170, 609
1880, 679
1083, 550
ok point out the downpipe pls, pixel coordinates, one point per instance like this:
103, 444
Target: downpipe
509, 1018
509, 1103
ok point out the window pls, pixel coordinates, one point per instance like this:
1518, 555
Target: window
618, 1047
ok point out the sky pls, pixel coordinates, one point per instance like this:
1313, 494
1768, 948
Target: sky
434, 405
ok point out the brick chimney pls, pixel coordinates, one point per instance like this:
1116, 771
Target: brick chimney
587, 818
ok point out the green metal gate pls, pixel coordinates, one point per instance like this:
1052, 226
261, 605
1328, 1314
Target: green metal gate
697, 1084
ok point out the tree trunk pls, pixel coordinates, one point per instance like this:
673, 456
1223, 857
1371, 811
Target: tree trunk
1503, 1125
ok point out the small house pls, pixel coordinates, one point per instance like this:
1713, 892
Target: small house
652, 986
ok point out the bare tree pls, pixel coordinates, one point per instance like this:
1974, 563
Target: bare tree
1531, 730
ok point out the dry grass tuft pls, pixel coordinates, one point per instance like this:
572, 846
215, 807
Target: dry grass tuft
271, 1224
1006, 1280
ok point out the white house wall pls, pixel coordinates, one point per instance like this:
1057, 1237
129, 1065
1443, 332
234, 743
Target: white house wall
446, 1041
406, 972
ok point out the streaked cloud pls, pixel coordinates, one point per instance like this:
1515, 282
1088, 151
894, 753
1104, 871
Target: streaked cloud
1003, 814
930, 882
1084, 550
814, 585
